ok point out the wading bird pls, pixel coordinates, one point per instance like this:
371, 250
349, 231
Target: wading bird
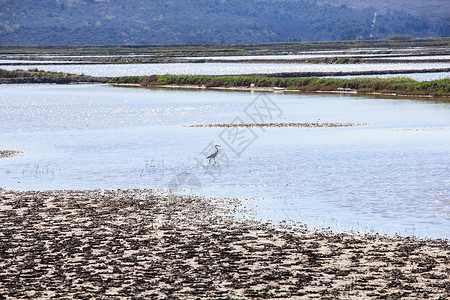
213, 156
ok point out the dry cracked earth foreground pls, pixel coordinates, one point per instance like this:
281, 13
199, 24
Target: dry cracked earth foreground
144, 244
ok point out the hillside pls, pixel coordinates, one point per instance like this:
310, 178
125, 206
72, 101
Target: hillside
430, 9
103, 22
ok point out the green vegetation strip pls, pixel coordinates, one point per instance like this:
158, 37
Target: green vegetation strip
397, 85
39, 76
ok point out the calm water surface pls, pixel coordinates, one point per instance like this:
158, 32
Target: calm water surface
391, 176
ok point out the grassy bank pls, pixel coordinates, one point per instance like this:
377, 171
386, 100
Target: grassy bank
39, 76
29, 73
398, 85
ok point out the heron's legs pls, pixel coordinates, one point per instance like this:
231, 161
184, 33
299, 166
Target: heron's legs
211, 160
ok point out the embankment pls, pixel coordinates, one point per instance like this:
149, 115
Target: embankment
391, 86
36, 76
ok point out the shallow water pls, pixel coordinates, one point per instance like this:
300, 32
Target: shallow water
222, 68
391, 176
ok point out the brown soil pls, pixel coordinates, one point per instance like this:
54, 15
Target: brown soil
308, 125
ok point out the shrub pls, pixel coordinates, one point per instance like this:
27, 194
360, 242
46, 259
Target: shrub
149, 80
399, 84
213, 83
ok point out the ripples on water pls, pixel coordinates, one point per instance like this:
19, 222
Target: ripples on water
224, 68
390, 177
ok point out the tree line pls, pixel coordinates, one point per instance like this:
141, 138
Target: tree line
84, 22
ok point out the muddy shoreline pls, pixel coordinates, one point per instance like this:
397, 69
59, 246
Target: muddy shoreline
282, 90
281, 125
9, 153
355, 73
56, 80
148, 244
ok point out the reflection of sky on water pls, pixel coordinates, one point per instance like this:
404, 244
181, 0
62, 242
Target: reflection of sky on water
222, 68
391, 176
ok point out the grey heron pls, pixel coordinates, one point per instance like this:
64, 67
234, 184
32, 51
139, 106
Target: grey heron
213, 156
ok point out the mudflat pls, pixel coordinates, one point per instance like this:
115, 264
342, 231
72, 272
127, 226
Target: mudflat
9, 153
152, 244
280, 125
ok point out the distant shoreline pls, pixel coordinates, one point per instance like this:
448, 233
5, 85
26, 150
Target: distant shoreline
196, 50
395, 86
272, 90
279, 83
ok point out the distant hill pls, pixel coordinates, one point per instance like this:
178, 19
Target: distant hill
430, 9
104, 22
